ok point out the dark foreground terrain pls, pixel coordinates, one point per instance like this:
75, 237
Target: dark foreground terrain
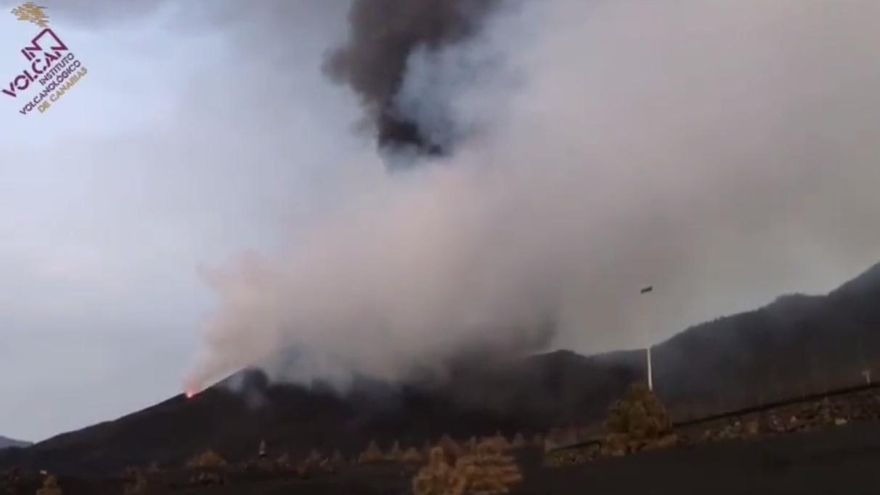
840, 460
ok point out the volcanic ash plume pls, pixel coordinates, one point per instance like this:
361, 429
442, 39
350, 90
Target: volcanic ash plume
385, 38
723, 152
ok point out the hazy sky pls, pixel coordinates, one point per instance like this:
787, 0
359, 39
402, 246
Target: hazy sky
724, 151
112, 200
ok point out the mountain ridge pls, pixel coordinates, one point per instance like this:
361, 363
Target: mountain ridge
6, 443
793, 346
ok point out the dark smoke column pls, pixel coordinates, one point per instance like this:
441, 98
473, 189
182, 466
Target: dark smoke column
373, 62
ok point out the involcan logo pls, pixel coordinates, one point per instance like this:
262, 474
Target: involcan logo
51, 70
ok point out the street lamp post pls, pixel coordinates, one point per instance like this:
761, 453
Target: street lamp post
646, 290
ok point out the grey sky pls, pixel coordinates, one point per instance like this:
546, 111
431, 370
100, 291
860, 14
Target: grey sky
113, 199
724, 151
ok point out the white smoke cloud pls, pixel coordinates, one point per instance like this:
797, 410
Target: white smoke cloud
723, 151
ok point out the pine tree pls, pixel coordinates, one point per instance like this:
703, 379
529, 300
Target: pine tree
372, 454
438, 477
485, 471
50, 486
450, 447
395, 453
137, 486
488, 471
411, 456
637, 422
207, 459
519, 441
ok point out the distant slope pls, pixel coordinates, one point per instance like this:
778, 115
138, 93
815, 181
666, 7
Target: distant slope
796, 345
8, 442
296, 419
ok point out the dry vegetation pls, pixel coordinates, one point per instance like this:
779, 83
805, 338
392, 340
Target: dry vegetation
395, 454
450, 447
498, 442
136, 485
284, 462
484, 470
436, 478
412, 456
207, 460
372, 454
519, 441
210, 469
50, 486
637, 422
313, 460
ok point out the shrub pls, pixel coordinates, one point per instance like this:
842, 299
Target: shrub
411, 456
636, 422
426, 449
284, 461
207, 460
395, 453
538, 440
450, 447
486, 471
313, 459
137, 485
372, 454
471, 444
519, 441
438, 477
498, 441
50, 486
640, 415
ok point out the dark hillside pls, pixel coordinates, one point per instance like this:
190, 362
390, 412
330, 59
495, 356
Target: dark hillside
797, 345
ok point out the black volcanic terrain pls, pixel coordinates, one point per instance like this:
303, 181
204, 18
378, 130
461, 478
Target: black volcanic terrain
798, 345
